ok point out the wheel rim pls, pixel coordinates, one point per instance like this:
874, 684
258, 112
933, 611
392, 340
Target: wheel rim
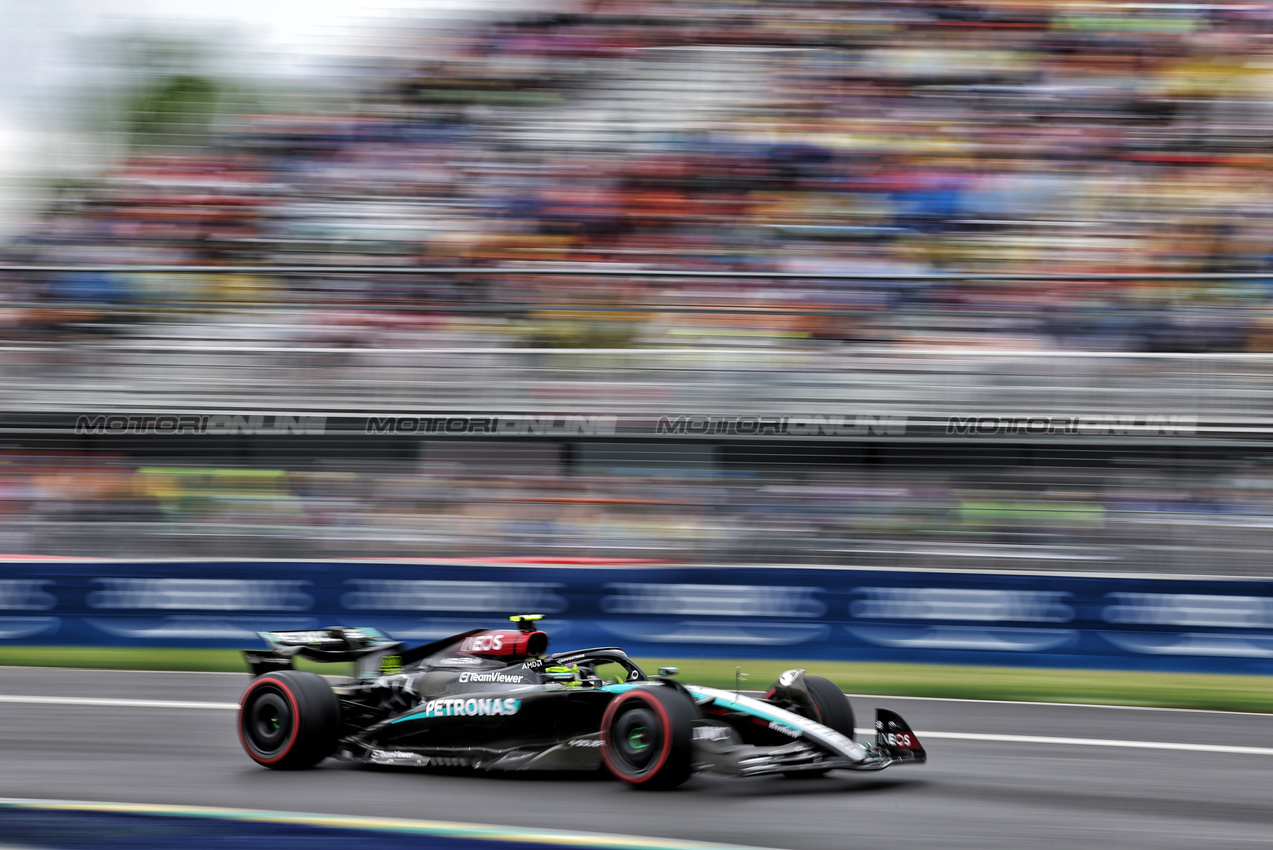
637, 735
267, 722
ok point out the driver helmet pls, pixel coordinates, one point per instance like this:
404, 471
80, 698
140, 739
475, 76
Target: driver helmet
566, 674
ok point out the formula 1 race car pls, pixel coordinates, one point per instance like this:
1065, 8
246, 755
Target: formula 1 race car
495, 700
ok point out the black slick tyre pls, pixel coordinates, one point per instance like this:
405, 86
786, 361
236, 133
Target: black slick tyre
646, 738
289, 720
830, 705
830, 708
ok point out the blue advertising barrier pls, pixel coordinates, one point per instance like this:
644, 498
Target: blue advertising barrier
1052, 620
72, 825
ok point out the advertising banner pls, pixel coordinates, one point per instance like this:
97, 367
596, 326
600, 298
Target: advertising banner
1050, 620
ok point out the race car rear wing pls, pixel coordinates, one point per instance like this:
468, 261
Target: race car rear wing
368, 649
371, 651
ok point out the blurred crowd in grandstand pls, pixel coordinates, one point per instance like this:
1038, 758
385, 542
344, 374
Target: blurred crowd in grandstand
842, 138
938, 142
1148, 516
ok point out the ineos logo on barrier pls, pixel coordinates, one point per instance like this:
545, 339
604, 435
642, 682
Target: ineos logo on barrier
396, 595
25, 594
719, 600
201, 594
954, 603
1189, 609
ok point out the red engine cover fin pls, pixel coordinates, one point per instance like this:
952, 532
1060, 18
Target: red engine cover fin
505, 643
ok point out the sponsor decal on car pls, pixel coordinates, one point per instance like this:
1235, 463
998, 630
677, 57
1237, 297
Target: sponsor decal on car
493, 676
788, 678
784, 729
483, 643
397, 755
471, 707
585, 742
459, 661
310, 638
712, 733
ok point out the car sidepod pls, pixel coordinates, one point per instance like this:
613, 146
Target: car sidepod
530, 728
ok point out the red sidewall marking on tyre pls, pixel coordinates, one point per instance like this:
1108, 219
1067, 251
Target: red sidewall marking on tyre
296, 720
667, 735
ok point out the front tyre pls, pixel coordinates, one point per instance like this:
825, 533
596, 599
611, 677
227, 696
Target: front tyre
830, 705
289, 720
646, 738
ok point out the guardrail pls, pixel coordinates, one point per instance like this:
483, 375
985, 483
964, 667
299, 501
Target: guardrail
1110, 541
124, 375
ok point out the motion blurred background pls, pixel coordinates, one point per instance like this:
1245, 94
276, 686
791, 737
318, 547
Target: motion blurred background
917, 212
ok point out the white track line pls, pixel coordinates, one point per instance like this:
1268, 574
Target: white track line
1098, 742
120, 703
1086, 742
244, 673
948, 736
1264, 714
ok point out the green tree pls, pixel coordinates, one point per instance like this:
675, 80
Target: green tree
173, 110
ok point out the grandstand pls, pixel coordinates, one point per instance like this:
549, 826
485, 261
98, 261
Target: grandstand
1050, 219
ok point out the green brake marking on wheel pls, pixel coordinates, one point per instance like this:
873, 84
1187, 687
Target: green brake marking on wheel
636, 738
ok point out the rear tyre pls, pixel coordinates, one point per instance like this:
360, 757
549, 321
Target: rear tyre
646, 738
289, 720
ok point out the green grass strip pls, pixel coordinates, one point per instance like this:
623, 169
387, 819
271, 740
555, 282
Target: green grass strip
1113, 687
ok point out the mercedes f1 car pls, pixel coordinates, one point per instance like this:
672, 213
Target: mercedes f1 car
497, 700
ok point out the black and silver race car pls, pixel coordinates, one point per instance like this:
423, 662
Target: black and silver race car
496, 700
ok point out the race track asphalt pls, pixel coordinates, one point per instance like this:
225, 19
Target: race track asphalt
972, 794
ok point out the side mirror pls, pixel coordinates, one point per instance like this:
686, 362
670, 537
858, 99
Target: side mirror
669, 671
